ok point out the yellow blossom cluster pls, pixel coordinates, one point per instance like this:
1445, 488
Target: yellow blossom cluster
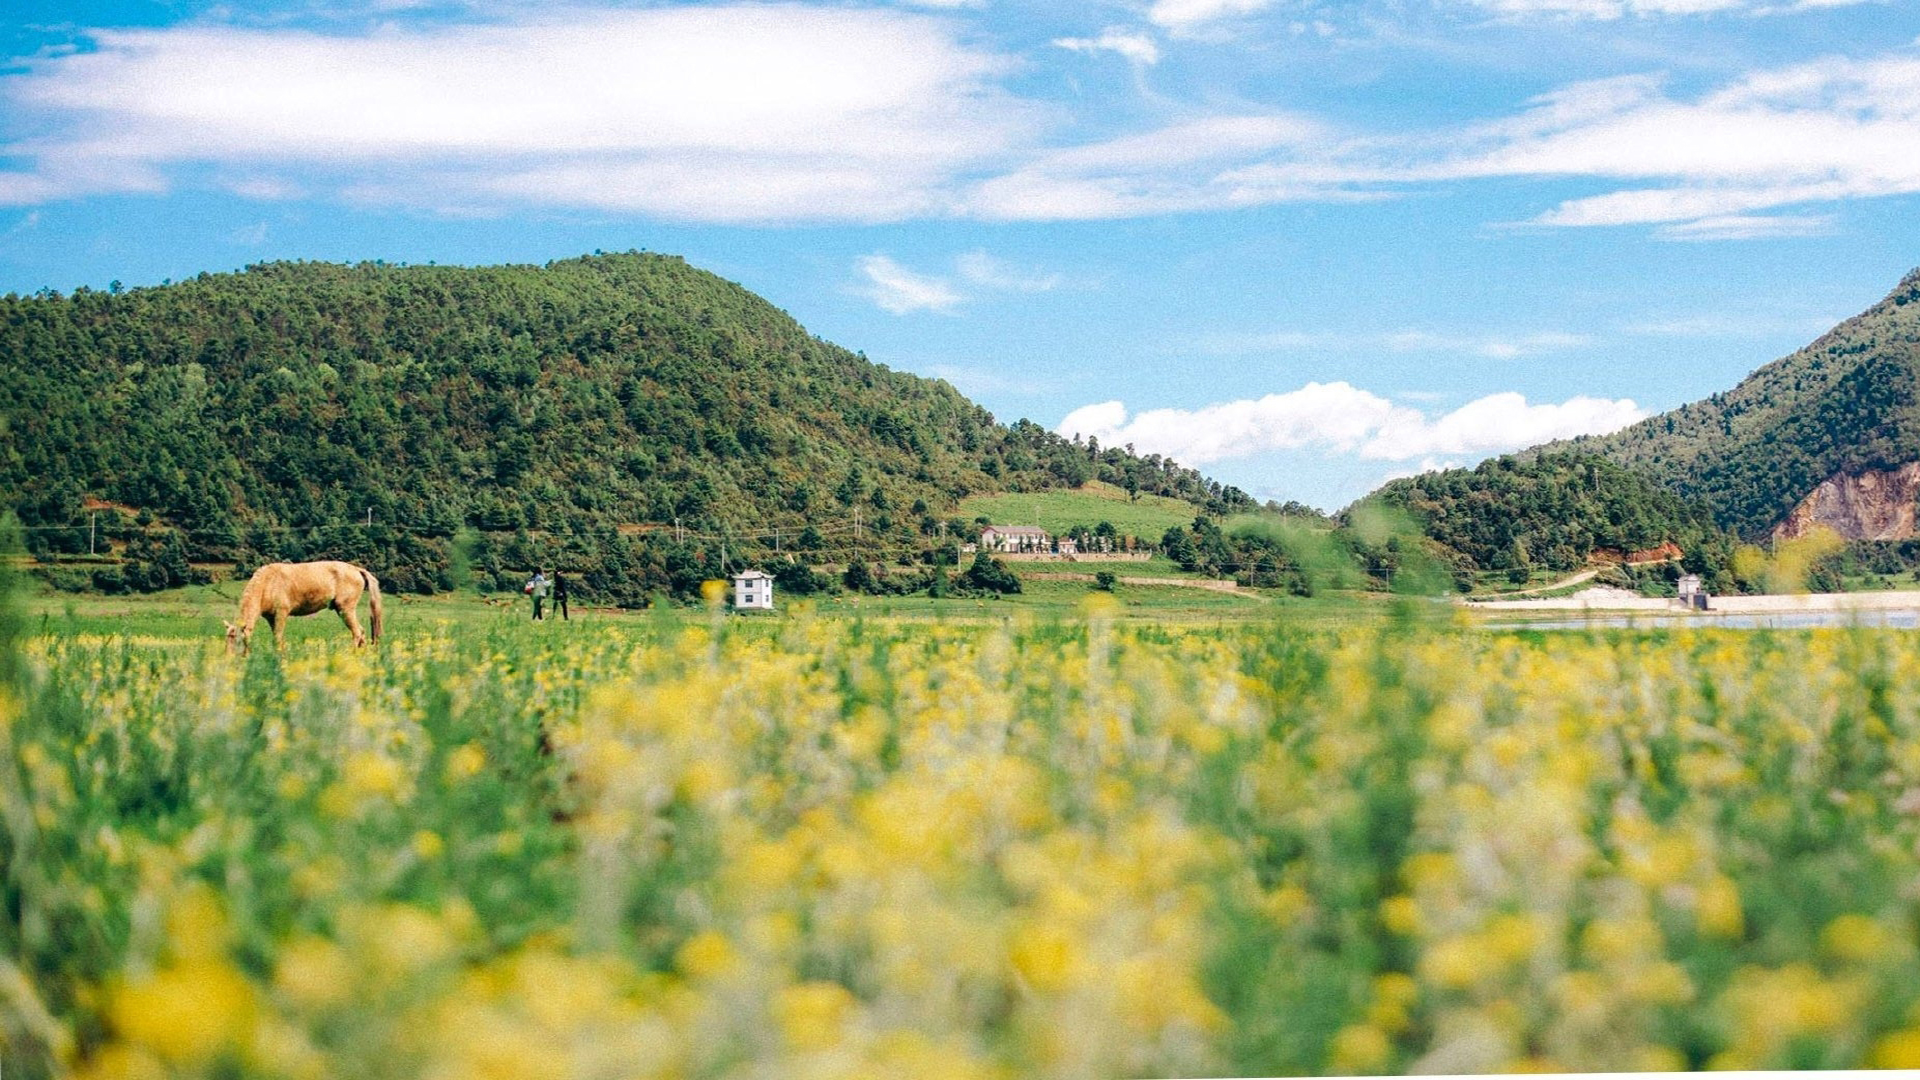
820, 847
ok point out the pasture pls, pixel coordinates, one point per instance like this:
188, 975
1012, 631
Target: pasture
1148, 516
1049, 841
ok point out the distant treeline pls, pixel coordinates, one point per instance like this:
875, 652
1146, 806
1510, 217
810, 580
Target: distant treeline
378, 413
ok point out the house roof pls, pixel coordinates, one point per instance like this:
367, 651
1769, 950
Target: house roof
1014, 530
752, 575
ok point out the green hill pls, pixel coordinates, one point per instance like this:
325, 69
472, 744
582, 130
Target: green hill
570, 412
1737, 464
1550, 511
1847, 404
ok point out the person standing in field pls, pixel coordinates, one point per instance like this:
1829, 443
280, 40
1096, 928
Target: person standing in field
560, 595
537, 587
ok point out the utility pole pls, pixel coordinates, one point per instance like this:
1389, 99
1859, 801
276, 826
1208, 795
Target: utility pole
369, 517
91, 520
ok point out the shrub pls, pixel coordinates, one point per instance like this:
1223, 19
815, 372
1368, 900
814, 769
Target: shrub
989, 574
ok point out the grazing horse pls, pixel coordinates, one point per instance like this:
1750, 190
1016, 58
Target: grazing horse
279, 590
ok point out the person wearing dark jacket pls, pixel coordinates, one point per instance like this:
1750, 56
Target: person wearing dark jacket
560, 594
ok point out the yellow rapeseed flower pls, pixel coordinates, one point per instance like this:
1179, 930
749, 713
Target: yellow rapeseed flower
706, 955
369, 774
1717, 907
1856, 938
1359, 1048
187, 1014
196, 926
312, 973
1663, 983
122, 1062
1454, 962
427, 844
466, 760
1043, 955
1900, 1050
1400, 915
813, 1015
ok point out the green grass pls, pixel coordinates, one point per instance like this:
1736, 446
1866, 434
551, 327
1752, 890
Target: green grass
200, 610
1158, 566
1147, 517
197, 612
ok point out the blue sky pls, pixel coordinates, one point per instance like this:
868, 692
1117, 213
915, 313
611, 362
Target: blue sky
1304, 246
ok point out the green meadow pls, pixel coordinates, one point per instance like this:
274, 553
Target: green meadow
1147, 516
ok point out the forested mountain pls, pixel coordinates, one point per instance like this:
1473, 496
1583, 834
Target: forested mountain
1840, 417
1550, 510
557, 410
1847, 404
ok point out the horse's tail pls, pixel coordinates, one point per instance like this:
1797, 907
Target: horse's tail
373, 599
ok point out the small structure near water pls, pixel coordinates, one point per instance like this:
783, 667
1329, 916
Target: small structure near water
1692, 593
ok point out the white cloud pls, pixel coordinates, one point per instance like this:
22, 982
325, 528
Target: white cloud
1133, 44
983, 269
735, 112
788, 113
1342, 419
1609, 10
1496, 423
1489, 346
1748, 227
265, 188
1828, 130
1182, 16
1334, 416
1180, 167
901, 291
1606, 9
1825, 131
1723, 324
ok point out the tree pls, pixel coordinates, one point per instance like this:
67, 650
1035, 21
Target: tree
859, 576
991, 575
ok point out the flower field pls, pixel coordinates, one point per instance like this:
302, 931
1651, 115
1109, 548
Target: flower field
826, 847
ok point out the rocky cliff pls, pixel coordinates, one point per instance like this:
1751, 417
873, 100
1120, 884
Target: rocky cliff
1876, 504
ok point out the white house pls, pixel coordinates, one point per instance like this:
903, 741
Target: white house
1693, 594
1016, 538
752, 591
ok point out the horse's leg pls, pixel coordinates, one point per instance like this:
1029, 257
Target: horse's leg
353, 623
279, 619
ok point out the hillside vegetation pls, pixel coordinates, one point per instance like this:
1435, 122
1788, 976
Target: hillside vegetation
1846, 403
375, 412
1552, 511
1057, 511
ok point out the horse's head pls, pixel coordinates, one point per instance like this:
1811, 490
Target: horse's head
239, 639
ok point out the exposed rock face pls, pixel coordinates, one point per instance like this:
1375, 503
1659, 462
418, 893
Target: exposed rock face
1874, 505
